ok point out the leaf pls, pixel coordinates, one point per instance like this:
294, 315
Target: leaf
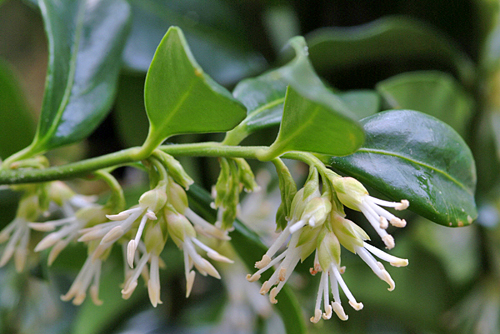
18, 125
211, 28
434, 93
263, 97
249, 248
85, 41
180, 98
315, 127
314, 118
362, 102
413, 156
390, 38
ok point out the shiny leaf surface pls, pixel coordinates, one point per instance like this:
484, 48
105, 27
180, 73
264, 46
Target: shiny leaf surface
85, 40
413, 156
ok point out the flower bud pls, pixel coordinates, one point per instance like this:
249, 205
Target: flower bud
178, 226
29, 208
349, 191
316, 211
223, 185
154, 199
93, 215
329, 251
247, 177
176, 170
154, 238
349, 234
60, 193
177, 196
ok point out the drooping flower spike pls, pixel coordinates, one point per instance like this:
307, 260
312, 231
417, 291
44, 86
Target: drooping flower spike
317, 224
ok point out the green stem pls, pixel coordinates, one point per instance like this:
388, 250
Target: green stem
117, 199
128, 156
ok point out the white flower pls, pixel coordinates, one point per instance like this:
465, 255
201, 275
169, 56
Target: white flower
287, 260
355, 196
90, 273
18, 234
68, 229
184, 236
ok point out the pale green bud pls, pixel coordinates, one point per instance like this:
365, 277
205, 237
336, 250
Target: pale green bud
316, 211
29, 208
94, 215
312, 183
154, 238
328, 251
349, 191
59, 192
177, 196
349, 234
178, 227
247, 177
154, 199
288, 190
176, 170
308, 240
223, 185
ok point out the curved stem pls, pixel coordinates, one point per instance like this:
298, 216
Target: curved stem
117, 199
128, 156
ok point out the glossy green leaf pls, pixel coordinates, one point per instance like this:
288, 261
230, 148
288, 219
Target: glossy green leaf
85, 41
18, 126
213, 30
434, 93
413, 156
390, 38
181, 98
263, 97
314, 118
250, 249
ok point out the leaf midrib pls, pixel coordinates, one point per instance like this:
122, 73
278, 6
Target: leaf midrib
165, 122
420, 163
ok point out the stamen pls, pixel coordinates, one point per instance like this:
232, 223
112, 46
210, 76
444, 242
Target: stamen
393, 260
352, 301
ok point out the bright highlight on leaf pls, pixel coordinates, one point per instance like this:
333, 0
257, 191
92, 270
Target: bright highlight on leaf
180, 98
413, 156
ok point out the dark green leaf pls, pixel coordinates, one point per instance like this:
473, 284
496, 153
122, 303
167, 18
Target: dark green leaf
390, 38
180, 98
314, 118
250, 249
18, 126
434, 93
410, 155
85, 41
212, 29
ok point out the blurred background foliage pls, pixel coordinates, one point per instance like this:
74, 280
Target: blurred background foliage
439, 57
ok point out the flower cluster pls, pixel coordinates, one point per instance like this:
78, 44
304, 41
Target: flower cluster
317, 224
141, 231
312, 220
